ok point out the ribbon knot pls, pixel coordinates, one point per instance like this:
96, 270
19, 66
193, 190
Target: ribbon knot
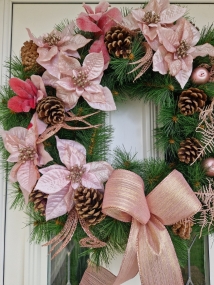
149, 249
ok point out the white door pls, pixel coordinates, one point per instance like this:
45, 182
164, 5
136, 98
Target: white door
22, 263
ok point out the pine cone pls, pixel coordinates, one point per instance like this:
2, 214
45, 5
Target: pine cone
51, 110
183, 228
39, 199
88, 204
189, 150
118, 42
29, 55
191, 101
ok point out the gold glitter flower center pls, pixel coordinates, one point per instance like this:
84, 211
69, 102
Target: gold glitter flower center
51, 39
151, 17
76, 173
182, 49
81, 80
26, 153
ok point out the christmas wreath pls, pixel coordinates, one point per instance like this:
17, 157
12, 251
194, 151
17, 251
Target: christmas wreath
55, 140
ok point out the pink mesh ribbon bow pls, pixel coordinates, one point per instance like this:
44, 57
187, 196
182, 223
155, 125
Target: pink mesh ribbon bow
149, 249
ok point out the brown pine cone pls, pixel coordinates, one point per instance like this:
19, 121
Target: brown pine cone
29, 55
51, 110
118, 41
88, 204
39, 199
189, 150
191, 101
183, 228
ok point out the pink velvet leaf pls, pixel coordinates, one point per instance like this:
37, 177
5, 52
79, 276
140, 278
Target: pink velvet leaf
171, 14
27, 175
183, 76
99, 46
109, 19
51, 167
53, 181
107, 105
85, 24
101, 169
56, 204
18, 105
203, 50
94, 64
102, 7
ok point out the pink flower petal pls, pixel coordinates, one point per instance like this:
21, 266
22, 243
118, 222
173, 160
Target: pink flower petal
130, 22
68, 31
39, 84
88, 9
203, 50
56, 204
101, 169
27, 175
108, 105
14, 157
68, 97
13, 172
71, 152
102, 7
89, 180
94, 63
183, 76
53, 181
67, 64
76, 42
38, 42
49, 80
21, 88
14, 138
99, 46
171, 14
169, 39
18, 104
85, 24
138, 14
37, 124
109, 19
43, 156
174, 65
52, 167
159, 63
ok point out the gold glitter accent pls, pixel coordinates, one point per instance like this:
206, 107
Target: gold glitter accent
171, 141
151, 17
131, 56
26, 153
51, 39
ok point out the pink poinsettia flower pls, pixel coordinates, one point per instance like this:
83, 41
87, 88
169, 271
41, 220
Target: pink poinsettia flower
49, 46
28, 93
178, 50
60, 181
27, 156
157, 13
84, 81
99, 22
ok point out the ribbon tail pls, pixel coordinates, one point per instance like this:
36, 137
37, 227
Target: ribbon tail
97, 276
158, 263
129, 267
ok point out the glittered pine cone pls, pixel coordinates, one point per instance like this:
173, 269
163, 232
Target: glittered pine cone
39, 199
183, 228
88, 204
118, 41
51, 110
189, 150
29, 55
191, 101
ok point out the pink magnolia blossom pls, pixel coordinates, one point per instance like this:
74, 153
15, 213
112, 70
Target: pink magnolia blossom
84, 81
60, 181
178, 50
50, 45
99, 22
27, 155
28, 92
157, 13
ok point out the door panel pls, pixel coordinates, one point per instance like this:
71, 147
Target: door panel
133, 124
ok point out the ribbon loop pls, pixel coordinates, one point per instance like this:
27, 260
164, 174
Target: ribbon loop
149, 249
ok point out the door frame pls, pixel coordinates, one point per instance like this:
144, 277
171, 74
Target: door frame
36, 265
